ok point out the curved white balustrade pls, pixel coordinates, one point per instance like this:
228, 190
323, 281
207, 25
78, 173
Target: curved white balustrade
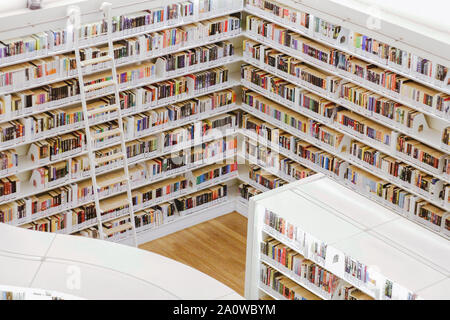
95, 269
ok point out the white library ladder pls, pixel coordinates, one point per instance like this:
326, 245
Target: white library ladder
74, 20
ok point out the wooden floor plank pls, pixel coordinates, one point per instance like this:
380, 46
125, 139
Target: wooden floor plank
216, 247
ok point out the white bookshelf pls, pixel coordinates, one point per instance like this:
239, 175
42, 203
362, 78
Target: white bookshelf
348, 225
388, 149
433, 122
311, 9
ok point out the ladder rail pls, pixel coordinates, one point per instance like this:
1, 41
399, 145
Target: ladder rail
87, 130
106, 7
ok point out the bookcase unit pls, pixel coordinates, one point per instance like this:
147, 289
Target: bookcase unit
296, 91
319, 236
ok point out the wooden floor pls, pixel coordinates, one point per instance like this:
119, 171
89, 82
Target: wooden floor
216, 247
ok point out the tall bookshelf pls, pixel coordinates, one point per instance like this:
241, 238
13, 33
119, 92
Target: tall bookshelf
349, 97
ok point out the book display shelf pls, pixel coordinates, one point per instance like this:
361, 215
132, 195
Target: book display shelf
316, 239
140, 119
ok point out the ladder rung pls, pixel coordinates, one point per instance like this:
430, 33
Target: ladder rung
109, 158
106, 134
108, 182
111, 107
95, 60
113, 205
120, 228
99, 85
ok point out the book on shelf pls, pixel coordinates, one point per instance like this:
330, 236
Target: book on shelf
284, 286
82, 214
91, 232
53, 223
206, 79
136, 149
199, 198
206, 151
155, 216
158, 190
213, 171
397, 169
53, 148
364, 126
246, 191
162, 165
163, 90
189, 58
12, 131
12, 211
349, 292
265, 178
41, 177
429, 213
50, 201
305, 271
9, 187
420, 152
9, 160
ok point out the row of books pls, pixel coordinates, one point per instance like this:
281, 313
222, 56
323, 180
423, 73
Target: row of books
46, 42
15, 131
157, 215
419, 209
319, 80
368, 74
264, 178
275, 161
283, 12
305, 259
108, 184
283, 285
348, 92
305, 271
346, 120
215, 171
190, 133
154, 16
33, 73
318, 157
61, 221
130, 100
200, 198
393, 194
364, 45
246, 191
60, 93
12, 295
398, 170
199, 55
54, 148
326, 108
180, 112
144, 195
